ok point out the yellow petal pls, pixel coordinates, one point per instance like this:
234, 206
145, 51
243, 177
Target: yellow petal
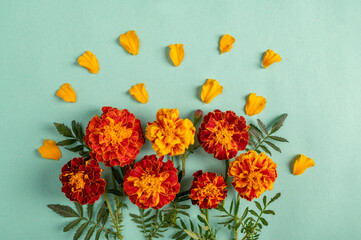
301, 164
50, 150
210, 90
176, 53
255, 104
89, 61
138, 92
226, 43
67, 93
130, 42
270, 57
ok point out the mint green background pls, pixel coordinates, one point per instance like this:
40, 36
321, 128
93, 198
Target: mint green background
317, 83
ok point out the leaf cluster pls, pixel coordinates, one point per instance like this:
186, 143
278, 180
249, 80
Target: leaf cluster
74, 135
95, 223
262, 137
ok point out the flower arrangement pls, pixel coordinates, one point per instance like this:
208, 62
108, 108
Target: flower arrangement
112, 142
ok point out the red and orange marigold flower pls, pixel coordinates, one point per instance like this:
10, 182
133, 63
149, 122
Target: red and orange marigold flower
223, 134
253, 174
115, 137
169, 134
81, 180
208, 189
151, 183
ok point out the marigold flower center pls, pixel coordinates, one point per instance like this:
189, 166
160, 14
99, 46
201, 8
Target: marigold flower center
210, 190
116, 133
77, 180
224, 136
150, 184
254, 179
168, 131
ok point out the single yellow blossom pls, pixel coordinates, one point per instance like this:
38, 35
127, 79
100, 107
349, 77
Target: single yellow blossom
176, 53
255, 104
301, 164
270, 57
67, 93
89, 61
226, 43
210, 90
138, 92
50, 150
130, 42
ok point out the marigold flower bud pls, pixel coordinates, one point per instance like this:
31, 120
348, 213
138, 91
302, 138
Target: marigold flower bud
197, 116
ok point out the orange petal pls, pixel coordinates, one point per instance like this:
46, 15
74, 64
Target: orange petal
50, 150
138, 92
176, 53
67, 93
270, 57
89, 61
210, 90
255, 104
130, 42
226, 43
301, 164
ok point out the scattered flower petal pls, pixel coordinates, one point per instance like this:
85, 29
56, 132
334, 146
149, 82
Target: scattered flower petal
130, 42
255, 104
89, 61
270, 57
50, 150
67, 93
176, 53
210, 90
138, 92
226, 43
301, 164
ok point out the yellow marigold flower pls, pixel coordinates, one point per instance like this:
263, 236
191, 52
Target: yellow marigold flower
270, 57
67, 93
50, 150
210, 90
226, 43
89, 61
252, 174
169, 134
301, 164
130, 42
255, 104
138, 92
176, 53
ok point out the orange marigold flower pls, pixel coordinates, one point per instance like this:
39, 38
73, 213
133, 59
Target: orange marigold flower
151, 183
81, 180
115, 137
208, 189
223, 134
253, 174
169, 134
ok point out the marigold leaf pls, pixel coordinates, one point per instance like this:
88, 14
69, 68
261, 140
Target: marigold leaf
101, 212
264, 200
183, 206
253, 213
269, 212
79, 207
66, 142
264, 222
71, 225
275, 197
75, 149
177, 235
279, 123
97, 236
115, 192
90, 233
117, 176
63, 210
266, 149
191, 234
183, 213
272, 145
244, 215
63, 130
262, 126
80, 231
258, 205
90, 208
280, 139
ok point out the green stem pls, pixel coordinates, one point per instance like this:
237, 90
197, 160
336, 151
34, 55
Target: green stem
260, 143
236, 222
99, 226
112, 215
143, 224
209, 228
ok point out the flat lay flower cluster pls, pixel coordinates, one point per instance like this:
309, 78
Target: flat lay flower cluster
113, 141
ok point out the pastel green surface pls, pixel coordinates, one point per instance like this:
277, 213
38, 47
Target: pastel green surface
317, 83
